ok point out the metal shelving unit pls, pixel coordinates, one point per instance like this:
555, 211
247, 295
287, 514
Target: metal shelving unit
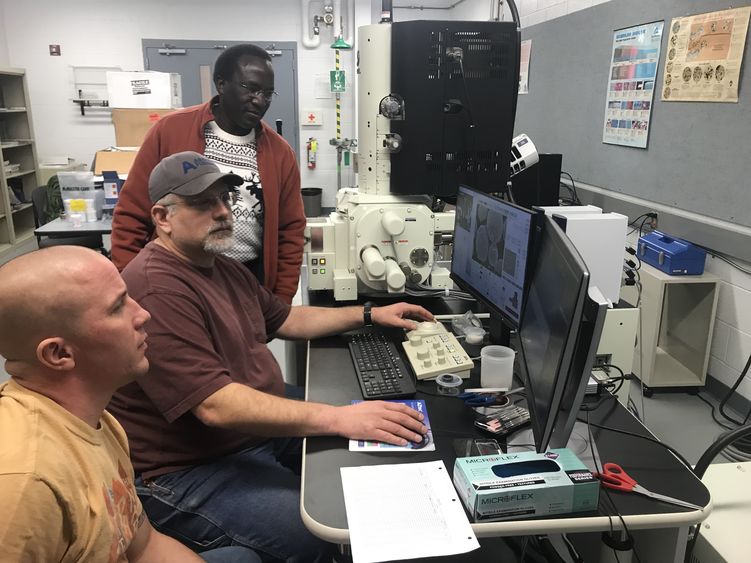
17, 146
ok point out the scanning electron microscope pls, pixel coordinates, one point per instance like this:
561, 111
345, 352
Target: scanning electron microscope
436, 105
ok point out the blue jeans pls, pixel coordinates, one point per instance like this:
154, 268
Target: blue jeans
249, 498
234, 554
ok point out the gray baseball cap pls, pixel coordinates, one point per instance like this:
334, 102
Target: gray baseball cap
186, 173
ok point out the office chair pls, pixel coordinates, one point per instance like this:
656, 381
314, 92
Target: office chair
42, 216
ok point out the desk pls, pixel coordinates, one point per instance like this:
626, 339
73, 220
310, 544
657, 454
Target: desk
331, 379
63, 227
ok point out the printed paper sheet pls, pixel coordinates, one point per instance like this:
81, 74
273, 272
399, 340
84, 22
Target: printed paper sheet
704, 57
404, 511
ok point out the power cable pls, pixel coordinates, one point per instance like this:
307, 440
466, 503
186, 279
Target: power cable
576, 199
657, 441
612, 507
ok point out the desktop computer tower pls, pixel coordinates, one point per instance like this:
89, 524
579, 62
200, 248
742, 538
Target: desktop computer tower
538, 185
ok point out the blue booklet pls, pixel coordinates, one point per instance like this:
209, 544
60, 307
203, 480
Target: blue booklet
426, 445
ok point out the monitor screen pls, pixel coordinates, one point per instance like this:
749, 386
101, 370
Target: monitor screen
580, 368
555, 302
491, 249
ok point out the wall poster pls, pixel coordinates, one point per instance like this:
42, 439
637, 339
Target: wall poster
526, 51
631, 83
704, 57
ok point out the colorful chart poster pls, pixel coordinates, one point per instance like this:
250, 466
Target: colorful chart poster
633, 70
704, 59
526, 52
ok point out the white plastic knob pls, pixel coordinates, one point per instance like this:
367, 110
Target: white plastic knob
423, 353
415, 339
373, 261
427, 363
392, 223
395, 278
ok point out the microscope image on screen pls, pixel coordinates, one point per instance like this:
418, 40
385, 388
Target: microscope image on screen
490, 239
491, 244
463, 212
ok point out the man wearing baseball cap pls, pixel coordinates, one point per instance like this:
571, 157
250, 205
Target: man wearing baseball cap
214, 442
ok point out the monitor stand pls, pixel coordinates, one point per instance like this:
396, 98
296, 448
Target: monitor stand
578, 443
499, 331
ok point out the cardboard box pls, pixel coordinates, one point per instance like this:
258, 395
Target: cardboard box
131, 125
525, 485
144, 90
119, 161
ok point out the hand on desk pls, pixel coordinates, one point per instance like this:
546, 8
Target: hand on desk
393, 423
394, 315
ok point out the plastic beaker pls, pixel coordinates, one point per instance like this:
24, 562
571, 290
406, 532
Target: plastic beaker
497, 366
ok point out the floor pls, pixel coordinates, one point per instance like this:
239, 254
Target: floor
682, 420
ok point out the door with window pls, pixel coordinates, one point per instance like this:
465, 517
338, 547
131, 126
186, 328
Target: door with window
194, 62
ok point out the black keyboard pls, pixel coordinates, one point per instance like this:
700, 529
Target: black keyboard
380, 370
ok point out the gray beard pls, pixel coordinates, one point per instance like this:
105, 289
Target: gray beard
218, 244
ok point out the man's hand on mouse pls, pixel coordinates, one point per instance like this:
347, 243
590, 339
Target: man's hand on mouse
399, 314
422, 443
393, 423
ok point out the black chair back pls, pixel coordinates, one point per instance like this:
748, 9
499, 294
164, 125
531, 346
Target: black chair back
39, 204
40, 207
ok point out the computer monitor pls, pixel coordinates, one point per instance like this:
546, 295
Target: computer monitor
538, 185
580, 368
492, 241
548, 334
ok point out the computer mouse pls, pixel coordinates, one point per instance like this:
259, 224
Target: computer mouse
421, 444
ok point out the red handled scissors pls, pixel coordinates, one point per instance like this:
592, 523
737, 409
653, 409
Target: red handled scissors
614, 477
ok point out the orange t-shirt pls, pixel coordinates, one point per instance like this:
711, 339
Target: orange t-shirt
66, 488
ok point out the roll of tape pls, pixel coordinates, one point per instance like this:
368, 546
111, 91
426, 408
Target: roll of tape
448, 384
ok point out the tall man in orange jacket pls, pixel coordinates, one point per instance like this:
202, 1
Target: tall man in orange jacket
269, 217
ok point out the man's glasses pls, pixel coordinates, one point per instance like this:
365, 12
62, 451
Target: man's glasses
208, 202
254, 92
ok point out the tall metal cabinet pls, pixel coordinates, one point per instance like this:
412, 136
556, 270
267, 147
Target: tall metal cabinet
18, 160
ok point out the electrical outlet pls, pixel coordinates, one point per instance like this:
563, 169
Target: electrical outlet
651, 225
601, 360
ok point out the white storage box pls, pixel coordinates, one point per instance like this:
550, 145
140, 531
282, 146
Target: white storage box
144, 90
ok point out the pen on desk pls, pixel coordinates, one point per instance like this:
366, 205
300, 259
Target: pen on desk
512, 423
510, 413
512, 417
503, 390
505, 411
